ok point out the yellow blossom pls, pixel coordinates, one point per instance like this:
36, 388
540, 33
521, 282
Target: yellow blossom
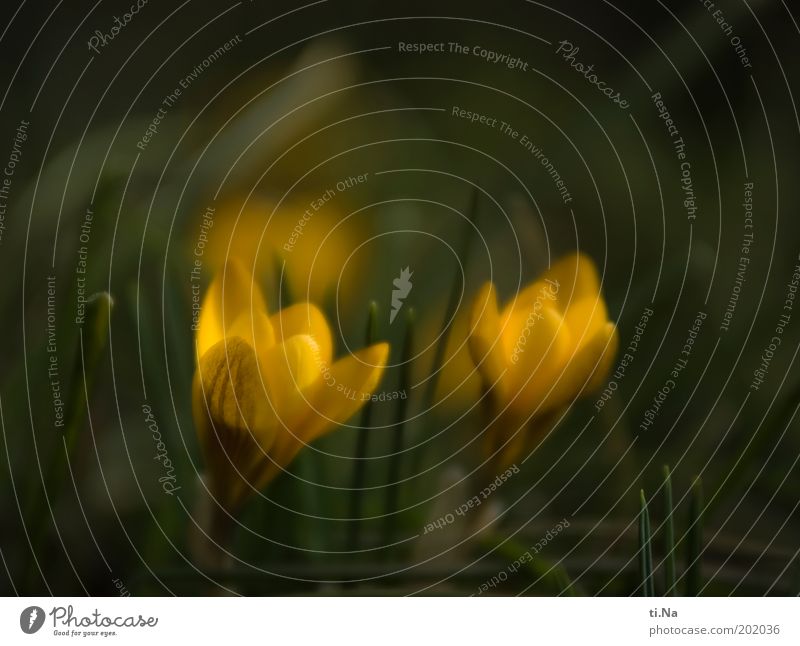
549, 344
312, 240
265, 386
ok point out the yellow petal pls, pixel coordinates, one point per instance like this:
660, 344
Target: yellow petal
231, 293
576, 276
333, 399
486, 340
532, 299
585, 318
350, 383
537, 356
235, 425
304, 318
290, 368
589, 364
606, 362
255, 330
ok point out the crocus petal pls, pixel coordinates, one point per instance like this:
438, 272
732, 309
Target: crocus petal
585, 318
332, 400
235, 424
255, 329
340, 393
606, 362
485, 341
231, 293
577, 278
540, 351
532, 299
304, 318
290, 368
591, 359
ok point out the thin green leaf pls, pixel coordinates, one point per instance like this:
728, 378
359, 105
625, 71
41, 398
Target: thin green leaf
362, 445
695, 540
453, 299
285, 296
669, 536
645, 549
394, 473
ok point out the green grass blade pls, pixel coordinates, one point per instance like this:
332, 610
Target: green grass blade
645, 549
669, 536
394, 472
453, 298
695, 540
362, 445
284, 291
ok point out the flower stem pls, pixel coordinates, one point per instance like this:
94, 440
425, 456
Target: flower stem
211, 533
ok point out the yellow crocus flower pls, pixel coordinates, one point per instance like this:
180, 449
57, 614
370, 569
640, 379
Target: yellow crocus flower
314, 245
549, 344
265, 386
